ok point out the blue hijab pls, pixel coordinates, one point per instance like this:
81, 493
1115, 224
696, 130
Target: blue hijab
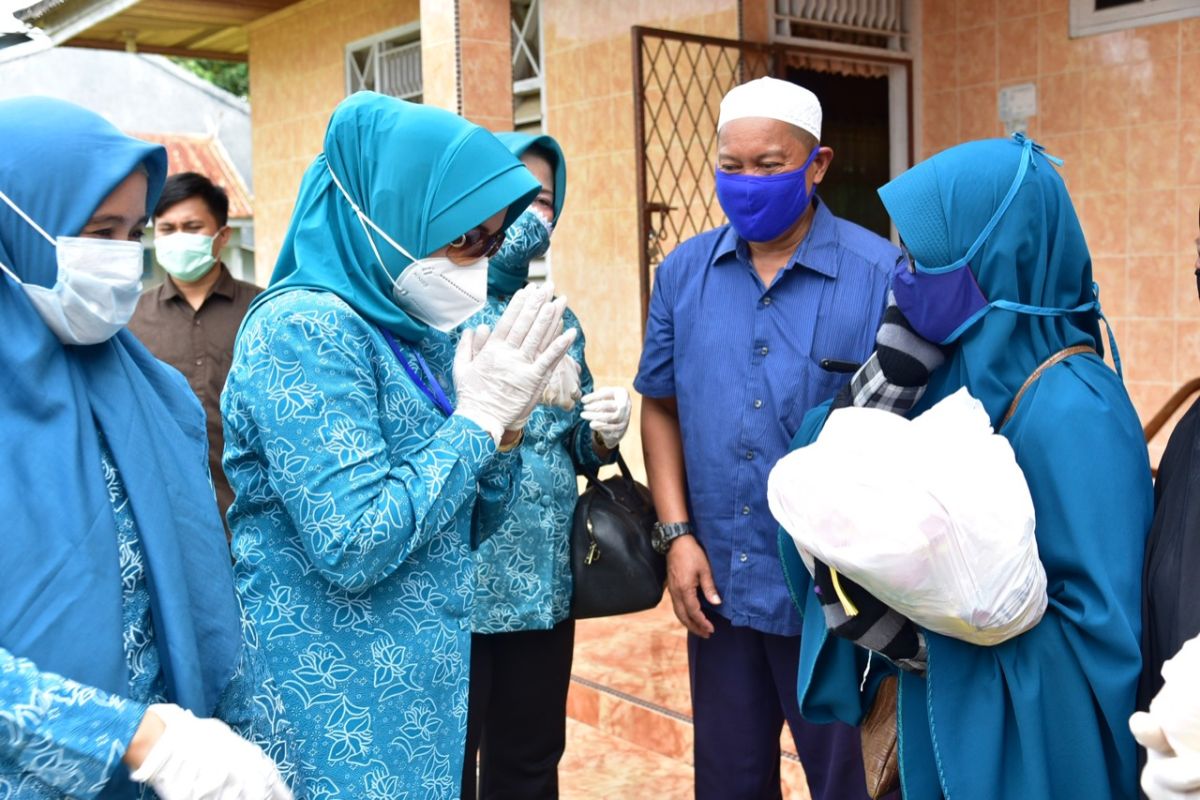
505, 281
422, 174
1043, 715
60, 600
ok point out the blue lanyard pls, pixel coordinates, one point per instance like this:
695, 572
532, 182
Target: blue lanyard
428, 385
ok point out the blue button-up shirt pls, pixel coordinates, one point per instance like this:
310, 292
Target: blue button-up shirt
743, 361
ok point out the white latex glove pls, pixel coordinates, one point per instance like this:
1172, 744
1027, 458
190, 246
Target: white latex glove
1167, 775
1171, 731
607, 409
563, 389
202, 759
500, 375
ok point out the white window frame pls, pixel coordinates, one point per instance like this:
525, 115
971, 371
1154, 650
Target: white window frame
539, 268
536, 83
1087, 21
407, 35
901, 43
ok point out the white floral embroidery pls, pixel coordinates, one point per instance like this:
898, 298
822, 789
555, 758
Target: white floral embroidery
357, 513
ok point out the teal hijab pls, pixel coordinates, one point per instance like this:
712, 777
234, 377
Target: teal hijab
423, 175
1043, 715
61, 595
504, 279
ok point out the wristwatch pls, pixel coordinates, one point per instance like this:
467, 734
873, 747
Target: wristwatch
665, 533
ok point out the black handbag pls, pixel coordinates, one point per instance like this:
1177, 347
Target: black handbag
615, 568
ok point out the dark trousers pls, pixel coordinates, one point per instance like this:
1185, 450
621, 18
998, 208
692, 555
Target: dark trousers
517, 713
743, 689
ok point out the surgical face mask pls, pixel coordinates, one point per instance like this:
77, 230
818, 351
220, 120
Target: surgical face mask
942, 303
186, 256
762, 207
435, 291
96, 289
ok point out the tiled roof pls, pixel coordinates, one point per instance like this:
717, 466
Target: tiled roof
189, 152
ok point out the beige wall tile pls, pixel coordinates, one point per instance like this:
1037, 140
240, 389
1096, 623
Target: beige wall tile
1104, 161
976, 53
1060, 101
1151, 288
1057, 52
1152, 217
940, 16
978, 117
939, 54
1017, 48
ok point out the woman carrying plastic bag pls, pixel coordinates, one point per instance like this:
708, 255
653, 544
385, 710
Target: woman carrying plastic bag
1000, 277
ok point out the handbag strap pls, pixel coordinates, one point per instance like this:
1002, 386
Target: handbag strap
1061, 355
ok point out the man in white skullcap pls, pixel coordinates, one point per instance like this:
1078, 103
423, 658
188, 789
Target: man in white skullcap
751, 325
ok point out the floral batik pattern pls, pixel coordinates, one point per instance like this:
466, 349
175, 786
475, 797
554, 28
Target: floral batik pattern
59, 738
352, 530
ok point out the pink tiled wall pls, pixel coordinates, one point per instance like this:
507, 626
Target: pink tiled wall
1123, 110
297, 76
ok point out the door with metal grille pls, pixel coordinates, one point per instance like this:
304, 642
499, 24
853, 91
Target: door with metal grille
679, 80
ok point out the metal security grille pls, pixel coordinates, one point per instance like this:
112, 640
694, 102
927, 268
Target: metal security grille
678, 82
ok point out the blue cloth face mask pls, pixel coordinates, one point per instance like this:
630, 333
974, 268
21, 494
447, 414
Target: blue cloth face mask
527, 239
942, 303
761, 207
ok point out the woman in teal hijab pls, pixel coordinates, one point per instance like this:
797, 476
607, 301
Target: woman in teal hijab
117, 608
1044, 715
523, 638
364, 480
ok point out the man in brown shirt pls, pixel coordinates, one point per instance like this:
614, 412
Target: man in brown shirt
190, 321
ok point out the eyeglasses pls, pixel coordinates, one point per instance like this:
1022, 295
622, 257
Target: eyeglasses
473, 245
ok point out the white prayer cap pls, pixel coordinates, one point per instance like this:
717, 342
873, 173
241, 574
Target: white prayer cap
774, 99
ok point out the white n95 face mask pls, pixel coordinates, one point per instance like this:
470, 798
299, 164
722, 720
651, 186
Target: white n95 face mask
96, 290
435, 291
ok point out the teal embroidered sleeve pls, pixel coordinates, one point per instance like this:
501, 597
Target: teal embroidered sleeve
66, 735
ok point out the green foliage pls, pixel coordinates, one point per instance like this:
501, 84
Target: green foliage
232, 76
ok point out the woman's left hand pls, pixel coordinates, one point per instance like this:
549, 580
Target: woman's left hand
607, 409
563, 389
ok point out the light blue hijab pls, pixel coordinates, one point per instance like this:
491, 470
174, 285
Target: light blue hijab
1042, 716
60, 598
423, 175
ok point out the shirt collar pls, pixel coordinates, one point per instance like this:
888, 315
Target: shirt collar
818, 251
225, 286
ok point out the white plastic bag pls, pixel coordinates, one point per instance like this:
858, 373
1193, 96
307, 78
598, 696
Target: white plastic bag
932, 516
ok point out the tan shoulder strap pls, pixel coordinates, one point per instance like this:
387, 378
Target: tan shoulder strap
1061, 355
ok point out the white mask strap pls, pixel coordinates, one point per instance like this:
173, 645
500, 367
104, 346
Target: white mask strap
11, 274
365, 220
27, 218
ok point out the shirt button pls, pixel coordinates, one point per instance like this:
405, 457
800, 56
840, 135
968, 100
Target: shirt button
764, 350
743, 558
546, 501
758, 403
745, 511
766, 301
196, 323
199, 362
749, 455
